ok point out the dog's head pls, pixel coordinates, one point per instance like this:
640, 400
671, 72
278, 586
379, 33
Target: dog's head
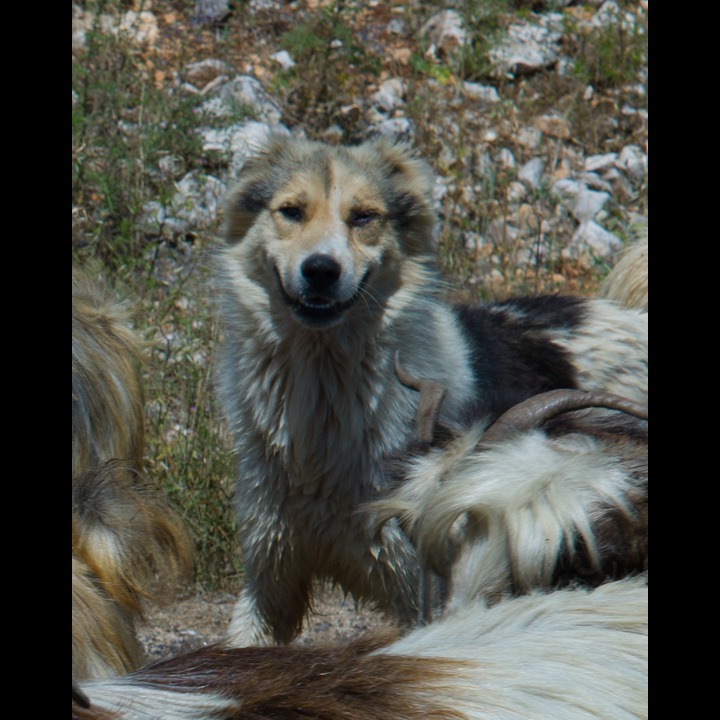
327, 229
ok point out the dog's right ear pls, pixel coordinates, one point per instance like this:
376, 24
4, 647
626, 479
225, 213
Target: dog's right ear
256, 183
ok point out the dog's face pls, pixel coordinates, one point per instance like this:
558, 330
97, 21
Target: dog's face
325, 229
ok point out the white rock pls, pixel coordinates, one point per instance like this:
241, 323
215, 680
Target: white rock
566, 188
283, 59
532, 171
600, 163
242, 92
172, 166
247, 138
400, 127
527, 47
609, 13
590, 235
595, 182
516, 191
633, 161
198, 199
445, 30
390, 95
194, 206
588, 203
529, 137
506, 158
582, 202
484, 94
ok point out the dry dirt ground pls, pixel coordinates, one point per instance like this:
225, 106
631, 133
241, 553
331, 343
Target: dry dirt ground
197, 620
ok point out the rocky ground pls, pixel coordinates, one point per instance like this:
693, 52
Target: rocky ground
534, 115
197, 620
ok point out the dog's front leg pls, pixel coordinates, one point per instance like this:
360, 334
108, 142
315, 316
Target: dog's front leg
272, 605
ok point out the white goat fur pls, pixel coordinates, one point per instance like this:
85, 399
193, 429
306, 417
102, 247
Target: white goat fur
514, 507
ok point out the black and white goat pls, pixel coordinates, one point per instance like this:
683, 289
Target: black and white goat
555, 491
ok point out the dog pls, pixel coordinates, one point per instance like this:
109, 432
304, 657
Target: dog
327, 268
569, 654
129, 545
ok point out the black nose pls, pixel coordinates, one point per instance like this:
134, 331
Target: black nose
320, 271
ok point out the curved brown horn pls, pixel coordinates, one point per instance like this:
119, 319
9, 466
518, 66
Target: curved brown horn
432, 394
540, 408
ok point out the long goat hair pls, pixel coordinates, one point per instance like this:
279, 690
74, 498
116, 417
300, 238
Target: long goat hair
107, 385
129, 545
555, 491
627, 283
570, 654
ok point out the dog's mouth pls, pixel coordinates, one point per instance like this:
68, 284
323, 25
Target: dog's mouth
319, 310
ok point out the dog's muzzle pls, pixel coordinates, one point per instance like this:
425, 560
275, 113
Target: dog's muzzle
317, 304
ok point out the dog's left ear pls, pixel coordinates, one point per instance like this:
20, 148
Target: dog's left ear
411, 202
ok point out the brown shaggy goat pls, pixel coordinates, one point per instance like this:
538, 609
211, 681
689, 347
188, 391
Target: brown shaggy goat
128, 544
107, 386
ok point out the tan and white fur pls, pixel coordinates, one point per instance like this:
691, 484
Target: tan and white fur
627, 283
568, 655
328, 269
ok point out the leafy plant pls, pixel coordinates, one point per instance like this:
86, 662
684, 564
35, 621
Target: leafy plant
330, 58
123, 121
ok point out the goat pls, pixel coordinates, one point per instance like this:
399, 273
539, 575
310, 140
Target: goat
129, 545
627, 283
107, 386
326, 269
572, 654
554, 491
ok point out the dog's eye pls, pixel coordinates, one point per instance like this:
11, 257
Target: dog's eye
360, 218
291, 212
